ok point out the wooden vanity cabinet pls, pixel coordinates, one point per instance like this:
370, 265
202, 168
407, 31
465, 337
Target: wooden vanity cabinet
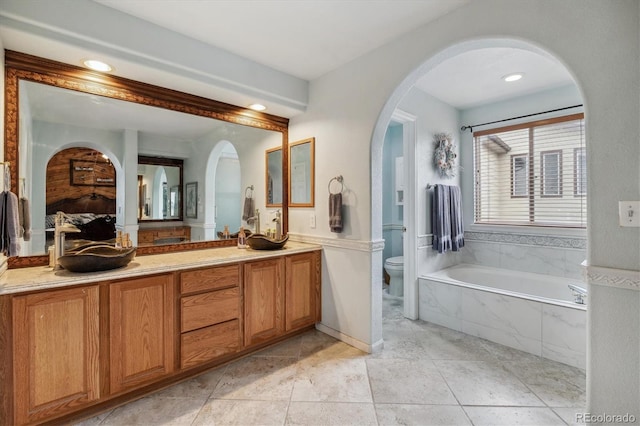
263, 300
56, 357
302, 290
142, 336
210, 314
164, 235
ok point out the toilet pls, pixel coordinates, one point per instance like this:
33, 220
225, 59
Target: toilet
395, 268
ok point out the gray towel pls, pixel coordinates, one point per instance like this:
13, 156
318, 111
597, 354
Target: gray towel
441, 219
24, 217
457, 225
335, 212
247, 211
9, 224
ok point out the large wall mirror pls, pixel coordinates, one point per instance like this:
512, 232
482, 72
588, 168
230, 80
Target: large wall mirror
302, 173
52, 107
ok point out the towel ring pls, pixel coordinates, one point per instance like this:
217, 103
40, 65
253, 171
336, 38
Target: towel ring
340, 180
250, 187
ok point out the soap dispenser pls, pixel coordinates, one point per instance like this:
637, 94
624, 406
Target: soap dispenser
242, 239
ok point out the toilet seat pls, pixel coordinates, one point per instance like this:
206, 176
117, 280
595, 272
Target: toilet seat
395, 261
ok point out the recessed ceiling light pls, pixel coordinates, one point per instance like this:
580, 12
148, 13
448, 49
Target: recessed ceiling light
97, 65
257, 107
513, 77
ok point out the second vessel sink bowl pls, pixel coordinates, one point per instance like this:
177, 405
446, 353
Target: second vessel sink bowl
97, 258
262, 242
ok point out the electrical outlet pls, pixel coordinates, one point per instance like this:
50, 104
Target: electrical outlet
312, 220
629, 213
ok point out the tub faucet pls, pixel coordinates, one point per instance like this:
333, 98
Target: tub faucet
58, 237
579, 293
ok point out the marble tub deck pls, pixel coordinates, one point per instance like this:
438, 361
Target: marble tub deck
425, 375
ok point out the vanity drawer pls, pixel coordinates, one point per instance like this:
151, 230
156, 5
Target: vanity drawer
210, 279
209, 308
145, 237
179, 232
208, 343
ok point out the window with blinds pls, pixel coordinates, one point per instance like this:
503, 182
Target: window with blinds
532, 174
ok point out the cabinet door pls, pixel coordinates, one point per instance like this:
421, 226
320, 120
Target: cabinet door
263, 300
302, 290
142, 321
56, 352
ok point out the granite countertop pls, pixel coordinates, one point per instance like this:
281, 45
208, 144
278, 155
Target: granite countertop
43, 277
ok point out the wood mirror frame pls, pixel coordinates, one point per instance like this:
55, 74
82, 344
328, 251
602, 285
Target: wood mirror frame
20, 66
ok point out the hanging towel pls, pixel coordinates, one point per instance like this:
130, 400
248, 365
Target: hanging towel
335, 212
441, 219
247, 211
9, 224
457, 225
24, 217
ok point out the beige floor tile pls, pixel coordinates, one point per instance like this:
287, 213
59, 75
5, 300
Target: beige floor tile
484, 383
423, 415
445, 344
95, 420
288, 348
221, 412
407, 382
156, 411
512, 416
258, 378
338, 380
558, 385
572, 416
198, 387
331, 413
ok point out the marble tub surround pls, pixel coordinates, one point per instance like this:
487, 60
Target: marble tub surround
543, 254
313, 379
556, 332
43, 277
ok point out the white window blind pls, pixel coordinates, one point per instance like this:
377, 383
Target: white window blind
532, 174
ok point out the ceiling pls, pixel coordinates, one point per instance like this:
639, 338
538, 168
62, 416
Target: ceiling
328, 34
302, 39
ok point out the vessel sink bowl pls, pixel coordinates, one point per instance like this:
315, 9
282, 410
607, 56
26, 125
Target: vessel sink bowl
262, 242
97, 258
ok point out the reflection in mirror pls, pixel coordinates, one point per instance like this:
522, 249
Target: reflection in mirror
273, 177
127, 122
155, 177
301, 173
81, 183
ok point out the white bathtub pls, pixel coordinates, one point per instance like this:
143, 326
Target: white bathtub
532, 312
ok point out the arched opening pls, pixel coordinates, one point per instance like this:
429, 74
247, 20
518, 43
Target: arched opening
442, 102
223, 189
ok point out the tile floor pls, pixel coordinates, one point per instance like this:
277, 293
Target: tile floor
426, 375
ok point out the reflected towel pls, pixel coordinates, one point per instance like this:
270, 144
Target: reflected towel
441, 218
457, 224
335, 212
24, 217
9, 224
247, 211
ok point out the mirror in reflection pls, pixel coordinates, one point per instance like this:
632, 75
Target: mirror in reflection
301, 173
273, 177
159, 183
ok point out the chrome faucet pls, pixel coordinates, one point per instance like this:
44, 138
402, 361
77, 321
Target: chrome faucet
579, 293
256, 221
58, 237
278, 221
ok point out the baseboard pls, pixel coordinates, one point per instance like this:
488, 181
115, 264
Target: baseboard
376, 347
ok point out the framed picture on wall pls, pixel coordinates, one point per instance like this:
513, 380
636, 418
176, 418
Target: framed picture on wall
191, 200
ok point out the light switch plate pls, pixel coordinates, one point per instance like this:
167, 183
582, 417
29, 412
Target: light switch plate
312, 220
629, 213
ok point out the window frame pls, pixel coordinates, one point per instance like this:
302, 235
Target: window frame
578, 180
513, 176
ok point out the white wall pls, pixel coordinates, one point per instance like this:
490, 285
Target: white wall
582, 34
